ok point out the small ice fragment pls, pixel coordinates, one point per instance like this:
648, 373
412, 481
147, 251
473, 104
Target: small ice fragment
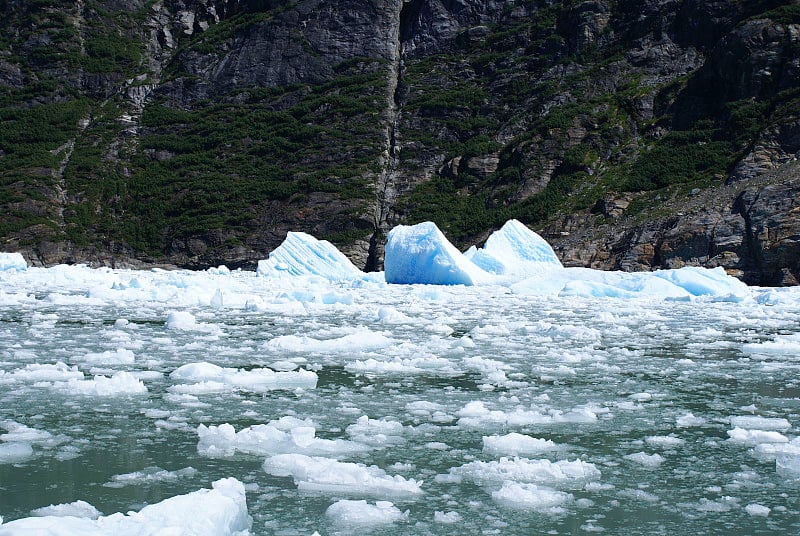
757, 510
73, 509
446, 518
349, 512
648, 460
181, 320
532, 497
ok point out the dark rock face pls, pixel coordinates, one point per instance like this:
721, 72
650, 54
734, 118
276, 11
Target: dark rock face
635, 134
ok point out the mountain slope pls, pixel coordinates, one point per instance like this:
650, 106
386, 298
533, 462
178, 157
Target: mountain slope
634, 135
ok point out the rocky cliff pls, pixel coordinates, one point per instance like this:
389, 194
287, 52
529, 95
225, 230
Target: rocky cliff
634, 135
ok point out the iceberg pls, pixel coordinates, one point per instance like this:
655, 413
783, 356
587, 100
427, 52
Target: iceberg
515, 250
302, 254
12, 262
420, 254
219, 511
513, 256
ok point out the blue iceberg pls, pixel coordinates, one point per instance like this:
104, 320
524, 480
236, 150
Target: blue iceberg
514, 256
301, 254
421, 254
12, 262
515, 250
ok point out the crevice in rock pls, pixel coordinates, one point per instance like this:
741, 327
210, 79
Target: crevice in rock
754, 262
386, 193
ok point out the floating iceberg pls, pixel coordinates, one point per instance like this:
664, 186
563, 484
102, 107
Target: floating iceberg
517, 257
421, 254
515, 250
219, 511
12, 262
302, 254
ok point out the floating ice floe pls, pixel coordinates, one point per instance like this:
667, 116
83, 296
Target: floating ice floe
515, 444
74, 509
361, 513
149, 475
285, 436
532, 497
754, 437
119, 384
206, 377
219, 511
327, 476
563, 473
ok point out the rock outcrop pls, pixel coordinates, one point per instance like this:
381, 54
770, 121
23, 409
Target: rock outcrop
635, 135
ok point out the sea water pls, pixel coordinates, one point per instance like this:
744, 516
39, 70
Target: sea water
399, 409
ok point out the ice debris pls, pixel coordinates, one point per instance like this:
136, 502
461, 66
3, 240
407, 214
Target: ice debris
327, 476
361, 513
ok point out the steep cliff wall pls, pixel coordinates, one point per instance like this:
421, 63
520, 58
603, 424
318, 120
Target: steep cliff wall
635, 135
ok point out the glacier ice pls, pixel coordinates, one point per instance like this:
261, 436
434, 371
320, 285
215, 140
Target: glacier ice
302, 254
12, 262
420, 254
515, 250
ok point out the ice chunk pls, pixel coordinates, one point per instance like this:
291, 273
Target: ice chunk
182, 320
562, 472
782, 345
206, 377
532, 497
219, 511
120, 356
121, 383
15, 452
446, 518
515, 250
12, 262
421, 254
757, 510
302, 254
20, 432
36, 372
689, 420
754, 437
667, 442
704, 281
73, 509
376, 432
149, 475
515, 444
363, 339
751, 422
648, 460
349, 512
268, 439
323, 475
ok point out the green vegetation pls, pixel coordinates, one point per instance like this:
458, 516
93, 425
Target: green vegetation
219, 165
